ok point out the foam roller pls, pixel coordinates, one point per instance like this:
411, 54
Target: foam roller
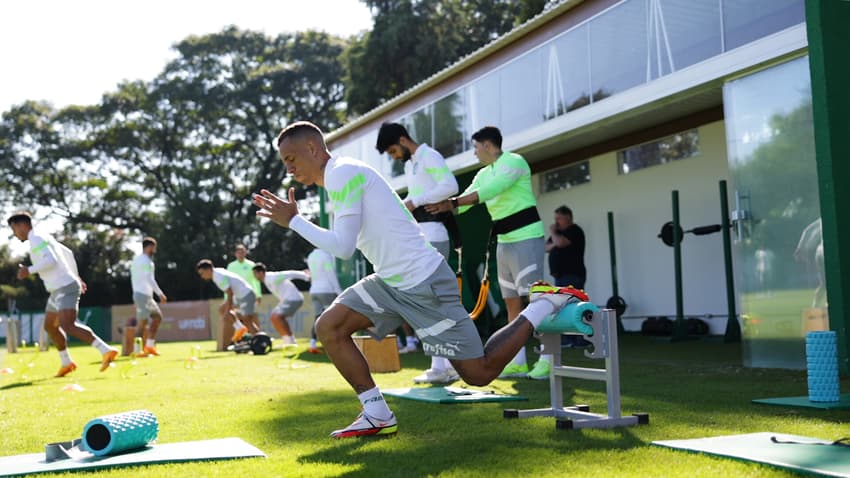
111, 434
822, 366
568, 320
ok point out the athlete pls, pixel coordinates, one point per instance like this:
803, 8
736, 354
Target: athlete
240, 299
144, 287
56, 266
280, 284
324, 287
412, 282
504, 185
243, 267
428, 181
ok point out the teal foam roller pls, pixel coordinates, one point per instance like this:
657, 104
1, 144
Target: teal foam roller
568, 320
822, 365
111, 434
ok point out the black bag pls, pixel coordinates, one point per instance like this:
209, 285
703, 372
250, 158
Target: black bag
655, 326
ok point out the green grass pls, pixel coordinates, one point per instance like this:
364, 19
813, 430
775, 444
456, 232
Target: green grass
690, 389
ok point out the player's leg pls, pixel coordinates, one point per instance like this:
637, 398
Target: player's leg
59, 339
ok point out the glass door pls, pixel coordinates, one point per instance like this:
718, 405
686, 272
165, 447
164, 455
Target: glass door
777, 240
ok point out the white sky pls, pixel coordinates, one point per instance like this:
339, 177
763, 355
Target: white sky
72, 52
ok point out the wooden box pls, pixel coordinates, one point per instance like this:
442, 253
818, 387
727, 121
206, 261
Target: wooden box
382, 355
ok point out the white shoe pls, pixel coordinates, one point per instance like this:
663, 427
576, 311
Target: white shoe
437, 376
408, 349
365, 425
557, 296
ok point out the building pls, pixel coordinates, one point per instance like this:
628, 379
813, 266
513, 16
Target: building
615, 104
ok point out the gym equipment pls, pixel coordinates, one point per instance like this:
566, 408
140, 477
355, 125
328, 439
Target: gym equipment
615, 301
599, 327
67, 456
667, 236
484, 290
822, 366
791, 452
803, 401
450, 395
120, 432
259, 344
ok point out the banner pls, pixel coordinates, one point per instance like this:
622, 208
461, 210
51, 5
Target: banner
181, 321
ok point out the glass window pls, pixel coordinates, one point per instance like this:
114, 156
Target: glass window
618, 49
521, 95
449, 132
484, 102
681, 33
678, 146
420, 126
566, 80
748, 20
566, 177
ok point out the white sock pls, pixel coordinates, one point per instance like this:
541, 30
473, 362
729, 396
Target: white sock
65, 356
150, 343
519, 358
411, 341
536, 311
440, 363
239, 325
100, 345
312, 343
288, 339
374, 404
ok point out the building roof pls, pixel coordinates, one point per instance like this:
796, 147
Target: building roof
550, 11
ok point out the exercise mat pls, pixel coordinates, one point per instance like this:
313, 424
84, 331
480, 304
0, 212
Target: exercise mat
450, 395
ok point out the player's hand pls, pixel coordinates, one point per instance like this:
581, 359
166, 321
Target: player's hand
83, 287
279, 210
409, 205
23, 271
438, 207
163, 298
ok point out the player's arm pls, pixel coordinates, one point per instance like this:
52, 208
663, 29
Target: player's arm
42, 257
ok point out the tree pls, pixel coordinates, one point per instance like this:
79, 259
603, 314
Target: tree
413, 39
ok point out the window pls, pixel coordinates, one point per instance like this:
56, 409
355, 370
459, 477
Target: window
566, 177
678, 146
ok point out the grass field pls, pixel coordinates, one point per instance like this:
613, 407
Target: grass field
690, 389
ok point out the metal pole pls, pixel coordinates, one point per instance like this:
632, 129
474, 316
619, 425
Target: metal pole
614, 287
733, 328
679, 328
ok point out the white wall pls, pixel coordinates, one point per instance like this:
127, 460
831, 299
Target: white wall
641, 203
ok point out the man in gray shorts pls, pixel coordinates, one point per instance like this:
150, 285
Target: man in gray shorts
280, 284
324, 288
238, 305
56, 266
144, 287
412, 281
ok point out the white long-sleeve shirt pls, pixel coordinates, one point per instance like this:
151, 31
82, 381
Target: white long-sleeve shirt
280, 284
323, 279
142, 276
370, 216
52, 261
429, 180
225, 279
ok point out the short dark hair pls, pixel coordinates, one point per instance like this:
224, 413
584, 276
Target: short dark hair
204, 264
240, 246
299, 129
564, 211
19, 217
148, 241
488, 133
390, 134
259, 266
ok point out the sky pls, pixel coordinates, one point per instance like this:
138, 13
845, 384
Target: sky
72, 52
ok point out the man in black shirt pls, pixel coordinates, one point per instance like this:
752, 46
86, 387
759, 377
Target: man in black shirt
565, 246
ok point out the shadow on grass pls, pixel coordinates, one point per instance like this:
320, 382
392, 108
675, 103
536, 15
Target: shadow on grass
432, 439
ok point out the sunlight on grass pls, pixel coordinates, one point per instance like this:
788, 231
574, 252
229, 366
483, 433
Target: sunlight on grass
287, 407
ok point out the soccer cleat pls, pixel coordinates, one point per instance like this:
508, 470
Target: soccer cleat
315, 350
151, 351
108, 358
540, 371
66, 369
238, 334
365, 425
437, 376
408, 349
514, 371
557, 296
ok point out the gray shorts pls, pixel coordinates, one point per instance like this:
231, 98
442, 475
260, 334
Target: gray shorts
432, 308
321, 301
66, 297
245, 304
520, 265
443, 247
146, 307
287, 308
